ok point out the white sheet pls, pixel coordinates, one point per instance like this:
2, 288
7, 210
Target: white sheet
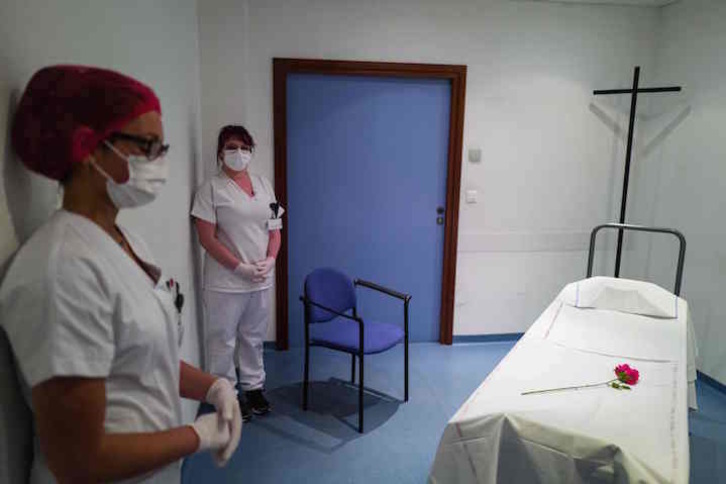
613, 333
621, 334
598, 434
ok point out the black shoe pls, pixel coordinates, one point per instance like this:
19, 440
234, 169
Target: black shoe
245, 409
257, 402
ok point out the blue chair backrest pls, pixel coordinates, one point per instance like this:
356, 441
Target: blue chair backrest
332, 289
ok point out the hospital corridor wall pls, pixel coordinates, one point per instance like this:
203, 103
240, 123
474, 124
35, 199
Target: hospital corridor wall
143, 40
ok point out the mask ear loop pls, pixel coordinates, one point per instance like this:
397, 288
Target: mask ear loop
101, 170
115, 150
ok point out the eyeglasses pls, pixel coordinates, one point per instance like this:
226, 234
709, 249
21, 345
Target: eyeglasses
235, 148
151, 147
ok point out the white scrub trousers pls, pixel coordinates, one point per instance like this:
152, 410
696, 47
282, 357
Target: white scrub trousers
236, 326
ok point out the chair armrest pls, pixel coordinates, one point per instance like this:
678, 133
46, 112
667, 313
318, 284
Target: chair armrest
307, 300
384, 290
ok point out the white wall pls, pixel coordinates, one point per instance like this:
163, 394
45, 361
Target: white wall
154, 41
680, 182
550, 164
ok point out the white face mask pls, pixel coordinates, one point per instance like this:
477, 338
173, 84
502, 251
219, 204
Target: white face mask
146, 178
238, 159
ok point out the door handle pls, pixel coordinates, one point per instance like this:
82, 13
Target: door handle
440, 215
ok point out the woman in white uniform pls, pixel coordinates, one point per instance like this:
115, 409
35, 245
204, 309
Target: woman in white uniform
238, 221
88, 313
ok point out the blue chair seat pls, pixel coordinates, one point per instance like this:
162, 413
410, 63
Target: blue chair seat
343, 334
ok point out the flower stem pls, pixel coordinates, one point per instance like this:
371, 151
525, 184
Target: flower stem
532, 392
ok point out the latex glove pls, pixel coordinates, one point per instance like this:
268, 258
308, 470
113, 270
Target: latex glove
221, 394
265, 266
248, 272
213, 432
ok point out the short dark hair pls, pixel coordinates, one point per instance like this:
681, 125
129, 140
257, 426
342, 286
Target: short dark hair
233, 131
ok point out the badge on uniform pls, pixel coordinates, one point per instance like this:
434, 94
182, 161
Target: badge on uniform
173, 287
275, 222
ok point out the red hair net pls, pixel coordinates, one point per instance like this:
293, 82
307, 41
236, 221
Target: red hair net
66, 111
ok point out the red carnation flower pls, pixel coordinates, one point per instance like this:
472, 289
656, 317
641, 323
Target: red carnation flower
626, 374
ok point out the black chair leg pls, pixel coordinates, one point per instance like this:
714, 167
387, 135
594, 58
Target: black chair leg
360, 396
306, 376
405, 348
352, 368
405, 371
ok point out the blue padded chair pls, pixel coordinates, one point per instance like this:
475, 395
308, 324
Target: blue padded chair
332, 321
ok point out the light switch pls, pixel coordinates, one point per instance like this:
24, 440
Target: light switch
474, 155
471, 196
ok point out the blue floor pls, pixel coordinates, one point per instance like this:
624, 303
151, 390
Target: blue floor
323, 445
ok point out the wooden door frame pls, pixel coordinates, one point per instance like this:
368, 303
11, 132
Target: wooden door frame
282, 67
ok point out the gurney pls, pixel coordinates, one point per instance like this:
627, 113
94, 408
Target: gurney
588, 433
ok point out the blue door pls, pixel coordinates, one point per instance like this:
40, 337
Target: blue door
366, 173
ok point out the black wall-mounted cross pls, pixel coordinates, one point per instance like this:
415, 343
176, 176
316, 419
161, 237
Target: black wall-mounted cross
629, 151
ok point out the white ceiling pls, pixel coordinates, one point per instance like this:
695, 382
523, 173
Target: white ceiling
640, 3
